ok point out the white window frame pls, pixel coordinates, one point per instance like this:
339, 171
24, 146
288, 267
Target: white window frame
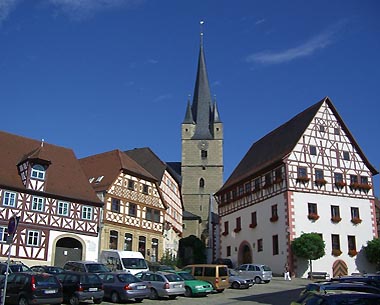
33, 238
37, 172
87, 212
63, 208
38, 204
3, 234
9, 199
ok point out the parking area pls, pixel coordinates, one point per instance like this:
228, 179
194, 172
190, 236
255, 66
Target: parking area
277, 292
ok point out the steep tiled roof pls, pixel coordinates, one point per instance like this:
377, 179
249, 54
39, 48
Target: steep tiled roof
148, 160
278, 144
65, 177
109, 165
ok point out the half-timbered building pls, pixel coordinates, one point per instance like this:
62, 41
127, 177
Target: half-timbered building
44, 187
170, 186
308, 175
134, 209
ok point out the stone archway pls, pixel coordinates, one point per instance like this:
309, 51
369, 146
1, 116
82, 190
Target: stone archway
339, 268
67, 249
245, 253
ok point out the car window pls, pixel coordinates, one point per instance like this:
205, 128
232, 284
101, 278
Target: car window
209, 271
223, 271
134, 263
242, 267
173, 278
251, 268
43, 280
198, 271
128, 278
186, 276
266, 268
96, 268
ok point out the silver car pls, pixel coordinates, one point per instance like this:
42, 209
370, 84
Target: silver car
163, 284
238, 281
261, 273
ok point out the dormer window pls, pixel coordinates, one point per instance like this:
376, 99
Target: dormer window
38, 172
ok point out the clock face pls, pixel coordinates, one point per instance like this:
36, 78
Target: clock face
203, 144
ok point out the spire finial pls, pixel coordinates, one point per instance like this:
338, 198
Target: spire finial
201, 30
42, 142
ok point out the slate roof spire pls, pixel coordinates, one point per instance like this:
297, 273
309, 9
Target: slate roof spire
201, 107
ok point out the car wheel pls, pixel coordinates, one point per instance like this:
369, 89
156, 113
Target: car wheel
138, 300
74, 300
22, 301
188, 292
235, 285
153, 294
266, 282
257, 280
115, 297
172, 297
219, 290
97, 301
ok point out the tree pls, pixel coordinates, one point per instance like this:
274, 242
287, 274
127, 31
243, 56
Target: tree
191, 250
372, 252
309, 246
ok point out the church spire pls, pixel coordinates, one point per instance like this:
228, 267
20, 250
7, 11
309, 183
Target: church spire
202, 97
188, 116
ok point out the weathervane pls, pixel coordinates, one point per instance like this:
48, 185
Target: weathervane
201, 30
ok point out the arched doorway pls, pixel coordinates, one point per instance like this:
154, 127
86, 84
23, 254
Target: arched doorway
339, 268
67, 249
245, 253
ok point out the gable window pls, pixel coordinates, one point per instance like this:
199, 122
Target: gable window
115, 205
302, 174
336, 131
363, 179
346, 155
339, 183
131, 184
275, 244
313, 150
201, 182
63, 208
321, 128
38, 172
353, 179
204, 154
3, 234
132, 210
38, 204
33, 238
128, 242
260, 245
9, 199
253, 220
145, 189
114, 237
87, 213
268, 180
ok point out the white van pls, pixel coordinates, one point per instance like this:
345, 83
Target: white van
128, 261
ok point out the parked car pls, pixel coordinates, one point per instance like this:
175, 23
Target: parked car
27, 287
81, 286
259, 272
159, 267
364, 279
194, 287
86, 266
340, 297
14, 266
121, 286
323, 287
215, 274
47, 269
224, 261
238, 281
163, 284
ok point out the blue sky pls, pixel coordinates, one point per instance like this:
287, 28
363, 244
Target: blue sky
98, 75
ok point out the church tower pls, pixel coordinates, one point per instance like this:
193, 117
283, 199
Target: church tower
202, 153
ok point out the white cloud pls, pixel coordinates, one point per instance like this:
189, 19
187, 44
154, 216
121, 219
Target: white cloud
82, 9
260, 21
152, 61
5, 8
308, 48
163, 97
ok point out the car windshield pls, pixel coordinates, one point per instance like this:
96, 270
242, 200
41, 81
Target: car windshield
223, 271
97, 268
173, 278
54, 270
186, 276
232, 272
134, 263
128, 278
19, 268
44, 280
91, 279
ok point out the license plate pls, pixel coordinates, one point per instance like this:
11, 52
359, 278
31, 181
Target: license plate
141, 287
50, 291
177, 285
92, 289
